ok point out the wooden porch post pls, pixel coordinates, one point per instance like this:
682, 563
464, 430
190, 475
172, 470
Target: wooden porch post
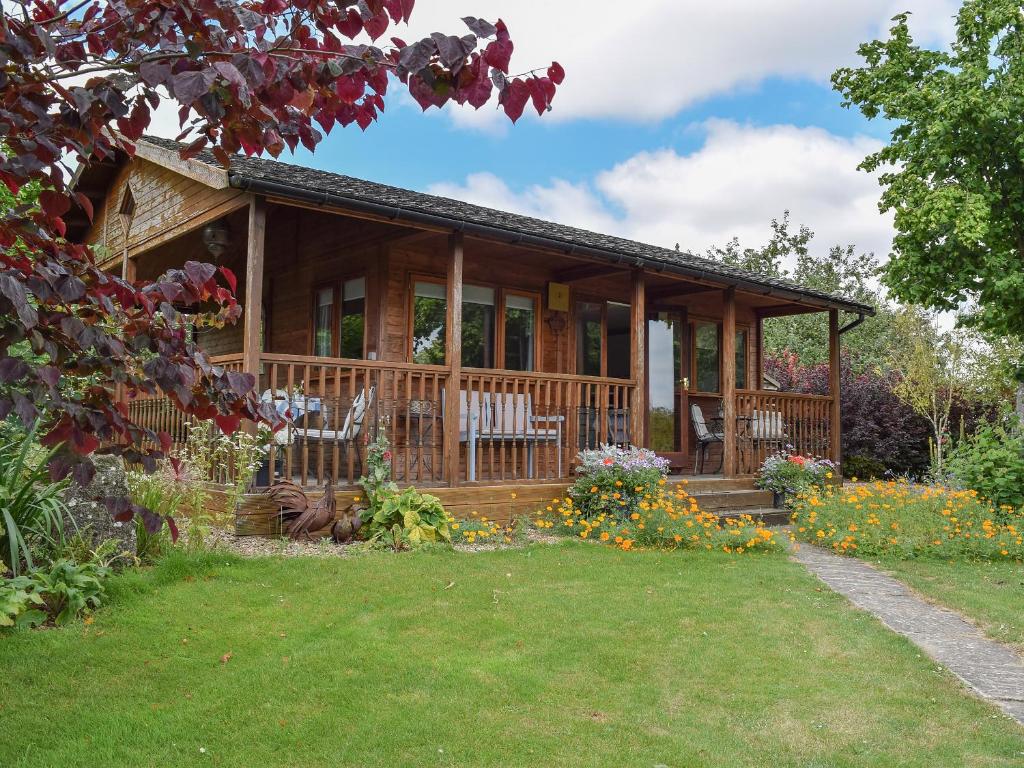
254, 288
637, 368
835, 416
729, 382
453, 356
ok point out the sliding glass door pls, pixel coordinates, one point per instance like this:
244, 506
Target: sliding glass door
666, 363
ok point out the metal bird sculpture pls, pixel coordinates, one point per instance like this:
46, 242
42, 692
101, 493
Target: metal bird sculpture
299, 516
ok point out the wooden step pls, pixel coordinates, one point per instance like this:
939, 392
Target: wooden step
694, 485
767, 515
728, 500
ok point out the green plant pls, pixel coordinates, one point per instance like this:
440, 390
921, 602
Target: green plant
20, 603
991, 462
419, 516
32, 507
791, 474
377, 482
615, 481
69, 589
209, 454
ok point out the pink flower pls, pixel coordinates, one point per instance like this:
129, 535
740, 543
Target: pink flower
609, 461
387, 456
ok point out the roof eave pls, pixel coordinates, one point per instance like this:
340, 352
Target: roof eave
397, 214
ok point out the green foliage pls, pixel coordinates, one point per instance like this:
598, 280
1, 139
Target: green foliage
377, 482
418, 517
952, 171
61, 591
69, 589
901, 521
991, 462
615, 481
839, 270
20, 604
230, 459
791, 474
32, 507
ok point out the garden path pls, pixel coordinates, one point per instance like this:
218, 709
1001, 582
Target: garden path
992, 670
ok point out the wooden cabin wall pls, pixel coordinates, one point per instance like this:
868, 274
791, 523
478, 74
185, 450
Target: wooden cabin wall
167, 204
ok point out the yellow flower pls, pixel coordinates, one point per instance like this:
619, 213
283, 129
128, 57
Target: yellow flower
514, 495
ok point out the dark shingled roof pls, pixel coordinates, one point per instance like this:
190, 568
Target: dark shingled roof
310, 184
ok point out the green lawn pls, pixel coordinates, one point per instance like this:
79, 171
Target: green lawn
991, 593
565, 655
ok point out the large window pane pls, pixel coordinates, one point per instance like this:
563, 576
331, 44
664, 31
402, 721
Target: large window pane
429, 307
520, 330
619, 334
741, 359
588, 338
665, 352
707, 373
477, 326
322, 321
353, 318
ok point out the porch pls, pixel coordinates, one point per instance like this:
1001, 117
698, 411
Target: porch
490, 356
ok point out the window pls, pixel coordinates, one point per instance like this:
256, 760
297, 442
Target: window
520, 332
588, 338
603, 339
478, 332
620, 332
352, 324
341, 333
707, 373
323, 320
429, 307
741, 358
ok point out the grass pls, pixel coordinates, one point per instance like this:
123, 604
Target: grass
991, 593
568, 655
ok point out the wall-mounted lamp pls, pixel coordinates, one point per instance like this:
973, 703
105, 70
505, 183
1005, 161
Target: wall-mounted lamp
216, 238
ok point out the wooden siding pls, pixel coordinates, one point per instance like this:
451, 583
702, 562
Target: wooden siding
167, 204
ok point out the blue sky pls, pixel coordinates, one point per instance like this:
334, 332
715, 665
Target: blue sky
725, 120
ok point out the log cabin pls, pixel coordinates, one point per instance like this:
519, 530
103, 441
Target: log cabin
490, 347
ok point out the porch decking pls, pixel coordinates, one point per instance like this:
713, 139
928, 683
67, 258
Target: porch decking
503, 503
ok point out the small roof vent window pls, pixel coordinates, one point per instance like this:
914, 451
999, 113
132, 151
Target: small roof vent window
127, 208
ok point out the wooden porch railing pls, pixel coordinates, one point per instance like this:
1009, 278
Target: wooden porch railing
805, 422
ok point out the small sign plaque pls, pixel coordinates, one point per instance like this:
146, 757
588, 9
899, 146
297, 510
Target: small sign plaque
558, 297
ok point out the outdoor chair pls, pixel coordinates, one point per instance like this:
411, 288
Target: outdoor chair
705, 437
322, 434
767, 428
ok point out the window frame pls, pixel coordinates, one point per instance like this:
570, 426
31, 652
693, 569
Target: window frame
337, 296
500, 294
692, 324
574, 348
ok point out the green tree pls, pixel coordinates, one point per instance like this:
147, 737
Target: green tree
840, 270
953, 170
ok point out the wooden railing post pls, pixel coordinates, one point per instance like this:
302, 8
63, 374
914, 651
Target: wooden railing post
638, 372
834, 386
453, 357
254, 288
729, 382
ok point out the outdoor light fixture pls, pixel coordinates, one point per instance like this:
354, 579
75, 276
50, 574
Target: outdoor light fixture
216, 238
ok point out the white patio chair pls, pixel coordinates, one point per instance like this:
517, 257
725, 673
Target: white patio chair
705, 437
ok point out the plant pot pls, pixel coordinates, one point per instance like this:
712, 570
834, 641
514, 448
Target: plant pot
778, 499
262, 477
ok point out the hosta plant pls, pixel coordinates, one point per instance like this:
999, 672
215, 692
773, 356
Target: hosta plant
21, 605
420, 516
69, 590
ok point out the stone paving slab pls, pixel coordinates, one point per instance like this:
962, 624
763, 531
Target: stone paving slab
992, 670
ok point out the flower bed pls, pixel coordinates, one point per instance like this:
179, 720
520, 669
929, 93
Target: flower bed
664, 519
788, 474
616, 480
900, 520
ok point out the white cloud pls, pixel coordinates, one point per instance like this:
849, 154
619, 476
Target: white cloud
741, 178
649, 59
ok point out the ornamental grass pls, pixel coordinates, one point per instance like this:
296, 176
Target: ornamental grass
663, 518
903, 521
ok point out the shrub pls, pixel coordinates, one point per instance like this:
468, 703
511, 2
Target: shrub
662, 520
614, 481
789, 474
62, 591
32, 507
991, 461
900, 520
419, 517
20, 604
